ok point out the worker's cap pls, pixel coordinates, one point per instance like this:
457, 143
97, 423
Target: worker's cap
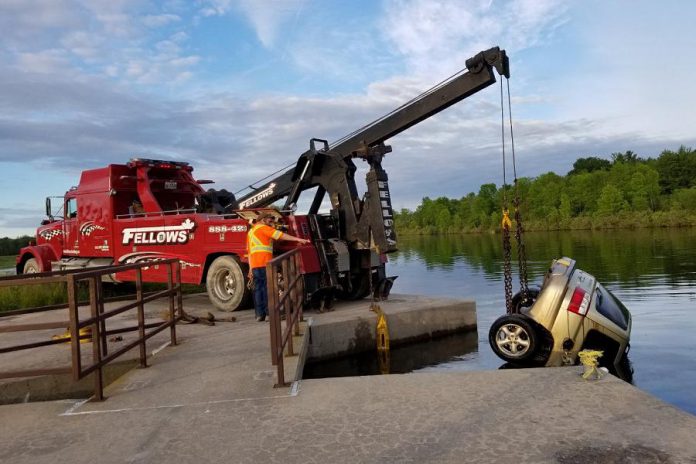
263, 216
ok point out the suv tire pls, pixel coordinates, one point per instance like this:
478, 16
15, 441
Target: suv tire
514, 338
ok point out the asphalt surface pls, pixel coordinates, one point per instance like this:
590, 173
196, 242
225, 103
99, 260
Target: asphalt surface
211, 399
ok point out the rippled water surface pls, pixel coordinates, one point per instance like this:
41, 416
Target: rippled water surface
653, 272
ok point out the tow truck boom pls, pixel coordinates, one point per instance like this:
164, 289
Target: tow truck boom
369, 221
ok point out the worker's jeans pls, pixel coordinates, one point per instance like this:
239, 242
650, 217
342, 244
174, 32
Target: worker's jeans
260, 291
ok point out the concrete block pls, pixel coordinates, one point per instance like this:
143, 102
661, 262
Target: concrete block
351, 327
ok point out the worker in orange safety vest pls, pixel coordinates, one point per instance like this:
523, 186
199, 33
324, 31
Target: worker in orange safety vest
260, 251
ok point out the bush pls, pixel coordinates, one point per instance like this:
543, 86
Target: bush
32, 296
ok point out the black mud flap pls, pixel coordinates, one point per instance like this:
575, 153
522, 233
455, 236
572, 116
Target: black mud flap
383, 287
322, 299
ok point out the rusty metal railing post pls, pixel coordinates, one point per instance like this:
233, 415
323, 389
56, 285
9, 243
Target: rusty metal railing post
75, 322
73, 309
287, 307
286, 293
102, 320
172, 316
96, 339
179, 295
301, 287
273, 315
296, 302
141, 315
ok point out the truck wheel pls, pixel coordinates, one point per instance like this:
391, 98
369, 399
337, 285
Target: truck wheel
360, 284
513, 338
226, 284
31, 267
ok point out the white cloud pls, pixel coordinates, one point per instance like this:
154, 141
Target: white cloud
83, 44
266, 17
44, 62
160, 20
437, 36
87, 37
70, 94
215, 7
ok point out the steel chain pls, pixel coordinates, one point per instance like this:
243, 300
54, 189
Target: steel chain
507, 268
521, 251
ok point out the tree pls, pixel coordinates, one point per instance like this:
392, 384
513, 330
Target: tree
486, 203
677, 170
627, 157
584, 189
544, 195
11, 246
685, 200
611, 201
590, 164
564, 210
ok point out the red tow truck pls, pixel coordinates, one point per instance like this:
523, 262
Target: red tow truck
152, 210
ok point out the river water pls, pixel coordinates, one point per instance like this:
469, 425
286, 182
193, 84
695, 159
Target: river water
653, 272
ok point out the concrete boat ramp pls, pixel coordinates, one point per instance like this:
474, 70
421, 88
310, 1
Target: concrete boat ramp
211, 399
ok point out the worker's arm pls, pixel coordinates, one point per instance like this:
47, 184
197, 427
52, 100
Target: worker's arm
292, 238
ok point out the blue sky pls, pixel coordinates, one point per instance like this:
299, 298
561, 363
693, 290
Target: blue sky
238, 87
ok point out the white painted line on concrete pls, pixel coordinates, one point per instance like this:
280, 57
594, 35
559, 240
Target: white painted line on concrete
74, 407
71, 410
157, 350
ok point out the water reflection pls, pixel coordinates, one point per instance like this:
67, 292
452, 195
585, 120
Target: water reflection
399, 360
653, 272
628, 258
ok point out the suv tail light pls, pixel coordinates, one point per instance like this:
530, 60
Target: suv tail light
579, 302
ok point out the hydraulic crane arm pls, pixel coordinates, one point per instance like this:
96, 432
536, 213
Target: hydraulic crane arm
479, 76
369, 221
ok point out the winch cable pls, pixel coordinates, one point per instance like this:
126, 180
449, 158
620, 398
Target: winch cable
519, 230
506, 224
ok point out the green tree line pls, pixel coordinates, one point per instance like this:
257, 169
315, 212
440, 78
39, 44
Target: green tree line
625, 192
11, 246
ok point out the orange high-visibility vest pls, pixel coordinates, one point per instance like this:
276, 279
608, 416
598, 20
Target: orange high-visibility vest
260, 244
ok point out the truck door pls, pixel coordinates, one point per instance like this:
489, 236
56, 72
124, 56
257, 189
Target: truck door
71, 246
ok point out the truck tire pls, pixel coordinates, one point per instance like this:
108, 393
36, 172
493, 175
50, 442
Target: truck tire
226, 284
360, 287
31, 267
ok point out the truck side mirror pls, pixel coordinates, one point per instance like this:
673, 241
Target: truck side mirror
48, 207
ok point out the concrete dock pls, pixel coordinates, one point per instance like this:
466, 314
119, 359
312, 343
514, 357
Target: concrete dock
211, 399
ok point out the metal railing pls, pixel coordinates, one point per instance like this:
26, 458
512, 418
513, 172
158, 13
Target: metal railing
169, 212
77, 324
285, 299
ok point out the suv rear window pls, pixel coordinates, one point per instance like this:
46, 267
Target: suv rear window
611, 308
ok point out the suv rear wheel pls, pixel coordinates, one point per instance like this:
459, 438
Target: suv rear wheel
518, 302
514, 338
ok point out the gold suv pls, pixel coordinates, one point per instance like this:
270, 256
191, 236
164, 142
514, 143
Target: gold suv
570, 312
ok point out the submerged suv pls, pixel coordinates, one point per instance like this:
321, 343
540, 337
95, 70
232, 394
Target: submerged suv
570, 312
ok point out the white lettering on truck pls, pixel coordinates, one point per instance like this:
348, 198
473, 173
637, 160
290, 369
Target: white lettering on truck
159, 235
267, 192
